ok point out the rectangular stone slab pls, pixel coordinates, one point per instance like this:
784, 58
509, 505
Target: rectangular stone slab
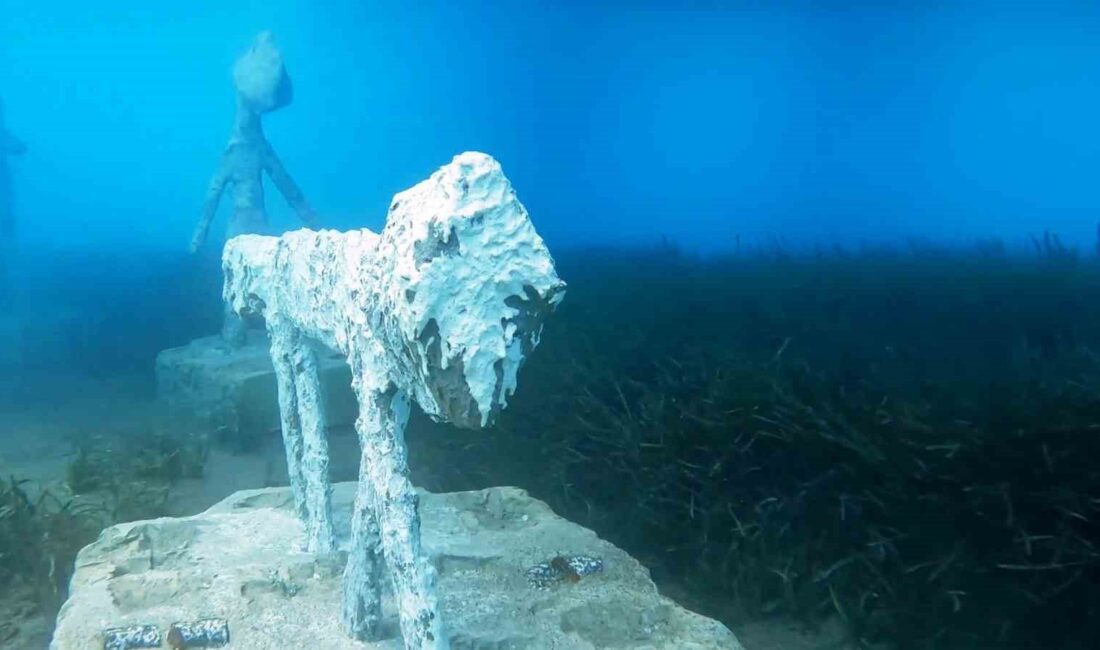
208, 386
241, 561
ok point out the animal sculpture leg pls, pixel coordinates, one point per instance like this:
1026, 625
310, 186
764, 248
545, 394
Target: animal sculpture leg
301, 409
362, 587
288, 411
397, 508
311, 413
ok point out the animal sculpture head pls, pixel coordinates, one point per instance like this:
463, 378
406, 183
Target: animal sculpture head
468, 284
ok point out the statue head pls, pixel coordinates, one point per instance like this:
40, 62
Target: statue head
261, 78
468, 283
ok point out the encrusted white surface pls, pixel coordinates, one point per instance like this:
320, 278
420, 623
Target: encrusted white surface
440, 309
468, 207
302, 416
458, 250
212, 386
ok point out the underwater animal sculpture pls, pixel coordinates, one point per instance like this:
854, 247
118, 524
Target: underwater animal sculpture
263, 86
441, 308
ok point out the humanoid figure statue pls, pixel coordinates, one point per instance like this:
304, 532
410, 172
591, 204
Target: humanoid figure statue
9, 146
263, 86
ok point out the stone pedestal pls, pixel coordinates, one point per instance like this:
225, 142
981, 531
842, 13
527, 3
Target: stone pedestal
241, 561
230, 392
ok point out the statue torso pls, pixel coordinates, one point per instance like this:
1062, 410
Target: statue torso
244, 166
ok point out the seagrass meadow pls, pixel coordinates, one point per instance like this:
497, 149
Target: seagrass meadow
43, 527
902, 439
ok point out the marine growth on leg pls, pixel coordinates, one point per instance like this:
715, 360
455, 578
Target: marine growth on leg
302, 413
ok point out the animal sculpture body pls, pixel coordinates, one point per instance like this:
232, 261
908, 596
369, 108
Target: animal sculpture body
440, 309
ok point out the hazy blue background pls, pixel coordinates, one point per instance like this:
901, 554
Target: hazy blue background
617, 121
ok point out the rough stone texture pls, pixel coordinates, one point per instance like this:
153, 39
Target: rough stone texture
240, 560
440, 309
207, 385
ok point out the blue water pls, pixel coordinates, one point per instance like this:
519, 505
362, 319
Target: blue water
648, 137
617, 121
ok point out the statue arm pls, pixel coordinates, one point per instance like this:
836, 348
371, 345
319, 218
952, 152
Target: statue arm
209, 207
288, 188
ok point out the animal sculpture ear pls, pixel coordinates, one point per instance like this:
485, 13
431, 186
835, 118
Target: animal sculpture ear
261, 78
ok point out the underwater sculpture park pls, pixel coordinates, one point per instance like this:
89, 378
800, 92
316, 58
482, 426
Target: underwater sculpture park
618, 325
